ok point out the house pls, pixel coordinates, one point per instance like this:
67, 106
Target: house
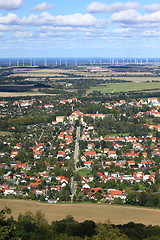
138, 175
131, 139
62, 180
85, 187
34, 184
39, 192
106, 150
43, 174
13, 154
88, 164
90, 154
97, 189
153, 100
76, 115
137, 146
131, 163
61, 135
10, 191
94, 116
90, 146
61, 154
60, 119
37, 153
131, 154
48, 106
114, 194
112, 154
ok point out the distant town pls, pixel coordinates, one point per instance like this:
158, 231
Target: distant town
64, 143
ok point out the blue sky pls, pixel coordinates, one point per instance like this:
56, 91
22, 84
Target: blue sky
84, 28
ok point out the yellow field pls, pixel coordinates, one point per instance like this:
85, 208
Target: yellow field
81, 212
22, 94
105, 74
3, 133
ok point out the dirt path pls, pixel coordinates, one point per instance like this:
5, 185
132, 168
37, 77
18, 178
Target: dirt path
81, 212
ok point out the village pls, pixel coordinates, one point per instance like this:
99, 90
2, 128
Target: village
118, 150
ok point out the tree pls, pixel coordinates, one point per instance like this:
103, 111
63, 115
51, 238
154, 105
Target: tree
149, 200
108, 232
7, 225
142, 198
132, 198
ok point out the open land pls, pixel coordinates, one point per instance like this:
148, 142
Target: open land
123, 87
22, 94
79, 73
3, 133
98, 213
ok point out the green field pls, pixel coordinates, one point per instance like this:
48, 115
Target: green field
117, 134
125, 87
137, 79
83, 172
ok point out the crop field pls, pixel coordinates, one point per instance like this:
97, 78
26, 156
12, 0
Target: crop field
137, 79
57, 74
3, 133
22, 94
125, 87
81, 212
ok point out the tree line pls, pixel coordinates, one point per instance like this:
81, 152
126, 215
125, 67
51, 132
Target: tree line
31, 226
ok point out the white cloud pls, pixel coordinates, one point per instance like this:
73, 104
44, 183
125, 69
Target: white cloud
11, 18
128, 16
153, 17
24, 34
132, 16
45, 18
97, 7
9, 28
42, 7
152, 33
121, 30
1, 35
51, 28
73, 20
152, 8
10, 4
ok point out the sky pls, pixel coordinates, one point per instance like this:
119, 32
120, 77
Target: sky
79, 28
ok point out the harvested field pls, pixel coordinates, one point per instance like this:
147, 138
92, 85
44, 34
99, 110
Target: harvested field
56, 74
22, 94
3, 133
98, 213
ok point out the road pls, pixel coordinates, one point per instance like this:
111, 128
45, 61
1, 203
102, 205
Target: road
76, 151
76, 148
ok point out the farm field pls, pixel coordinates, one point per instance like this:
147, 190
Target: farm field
137, 79
81, 212
22, 94
3, 133
79, 73
125, 87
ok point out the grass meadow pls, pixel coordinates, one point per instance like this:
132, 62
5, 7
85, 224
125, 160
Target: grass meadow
125, 87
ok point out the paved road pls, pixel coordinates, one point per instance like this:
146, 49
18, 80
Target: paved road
76, 151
